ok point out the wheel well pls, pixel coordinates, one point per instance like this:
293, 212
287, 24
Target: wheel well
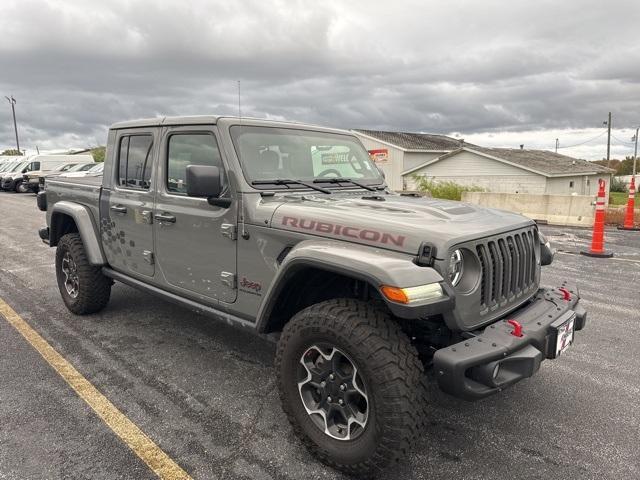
61, 224
313, 285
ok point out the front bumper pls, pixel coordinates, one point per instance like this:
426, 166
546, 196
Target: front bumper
493, 359
8, 183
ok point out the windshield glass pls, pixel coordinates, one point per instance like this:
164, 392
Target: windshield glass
97, 168
81, 167
18, 167
64, 167
6, 166
268, 153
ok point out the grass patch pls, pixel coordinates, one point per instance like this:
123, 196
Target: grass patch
447, 190
620, 198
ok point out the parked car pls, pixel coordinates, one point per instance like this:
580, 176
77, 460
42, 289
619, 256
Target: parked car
50, 164
11, 178
96, 169
290, 230
63, 170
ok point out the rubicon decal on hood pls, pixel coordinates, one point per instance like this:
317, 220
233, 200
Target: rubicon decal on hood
346, 231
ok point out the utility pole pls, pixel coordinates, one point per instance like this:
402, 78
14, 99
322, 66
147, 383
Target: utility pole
635, 151
557, 144
12, 101
609, 141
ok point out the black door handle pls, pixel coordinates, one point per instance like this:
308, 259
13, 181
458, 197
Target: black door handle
118, 208
164, 217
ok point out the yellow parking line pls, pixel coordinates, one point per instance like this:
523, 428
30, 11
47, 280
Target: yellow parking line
136, 440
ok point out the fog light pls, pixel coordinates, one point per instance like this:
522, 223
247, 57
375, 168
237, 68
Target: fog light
496, 371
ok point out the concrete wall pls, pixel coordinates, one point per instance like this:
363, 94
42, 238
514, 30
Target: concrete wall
468, 168
573, 210
393, 168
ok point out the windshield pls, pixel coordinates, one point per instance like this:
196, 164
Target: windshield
64, 167
17, 167
6, 166
97, 168
268, 153
82, 167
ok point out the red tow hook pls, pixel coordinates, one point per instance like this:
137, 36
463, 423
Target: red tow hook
517, 328
566, 295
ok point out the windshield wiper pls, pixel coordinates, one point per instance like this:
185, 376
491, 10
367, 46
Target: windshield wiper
345, 180
285, 181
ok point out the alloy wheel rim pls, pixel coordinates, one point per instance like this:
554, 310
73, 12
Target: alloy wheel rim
70, 271
332, 392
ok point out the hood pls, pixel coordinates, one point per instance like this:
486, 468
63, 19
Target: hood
392, 221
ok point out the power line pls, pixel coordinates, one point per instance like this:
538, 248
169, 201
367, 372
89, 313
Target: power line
586, 141
622, 141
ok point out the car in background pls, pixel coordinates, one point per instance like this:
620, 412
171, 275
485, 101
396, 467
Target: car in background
50, 164
11, 178
61, 170
96, 169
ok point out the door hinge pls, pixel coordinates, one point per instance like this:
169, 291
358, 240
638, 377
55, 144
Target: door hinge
147, 255
228, 279
229, 230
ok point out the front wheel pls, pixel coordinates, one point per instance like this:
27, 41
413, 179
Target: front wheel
83, 287
20, 187
351, 384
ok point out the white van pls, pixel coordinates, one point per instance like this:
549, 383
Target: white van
11, 176
48, 164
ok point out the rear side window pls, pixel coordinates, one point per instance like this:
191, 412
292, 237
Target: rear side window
134, 161
190, 149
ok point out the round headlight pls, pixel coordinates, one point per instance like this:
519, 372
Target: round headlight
455, 267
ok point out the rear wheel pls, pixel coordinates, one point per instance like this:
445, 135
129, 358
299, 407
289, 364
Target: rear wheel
83, 287
351, 384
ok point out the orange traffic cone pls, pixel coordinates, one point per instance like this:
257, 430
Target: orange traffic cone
597, 241
628, 217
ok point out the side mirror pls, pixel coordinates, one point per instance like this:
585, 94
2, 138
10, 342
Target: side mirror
205, 181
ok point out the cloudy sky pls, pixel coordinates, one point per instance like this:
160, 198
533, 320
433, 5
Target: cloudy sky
498, 73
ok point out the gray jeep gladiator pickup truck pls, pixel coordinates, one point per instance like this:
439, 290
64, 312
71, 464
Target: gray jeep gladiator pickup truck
289, 229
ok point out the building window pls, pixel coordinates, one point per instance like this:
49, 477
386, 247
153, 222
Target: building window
571, 184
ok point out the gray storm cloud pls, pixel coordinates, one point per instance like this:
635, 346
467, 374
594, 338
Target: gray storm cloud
469, 67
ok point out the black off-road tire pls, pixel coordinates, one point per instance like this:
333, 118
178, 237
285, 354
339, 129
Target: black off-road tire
390, 369
94, 289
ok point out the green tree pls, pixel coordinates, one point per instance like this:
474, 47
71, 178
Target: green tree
12, 152
625, 167
98, 153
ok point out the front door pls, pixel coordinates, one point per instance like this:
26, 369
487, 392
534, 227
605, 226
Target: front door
127, 230
195, 241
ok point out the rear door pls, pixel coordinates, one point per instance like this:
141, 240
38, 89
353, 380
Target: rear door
128, 231
195, 241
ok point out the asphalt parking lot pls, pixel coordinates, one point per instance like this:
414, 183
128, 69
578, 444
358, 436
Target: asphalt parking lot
205, 393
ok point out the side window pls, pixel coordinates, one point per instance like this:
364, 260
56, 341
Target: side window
190, 149
134, 161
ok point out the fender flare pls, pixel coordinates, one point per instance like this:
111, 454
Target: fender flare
373, 265
87, 229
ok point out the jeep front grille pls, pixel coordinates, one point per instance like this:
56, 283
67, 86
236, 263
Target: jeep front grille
508, 267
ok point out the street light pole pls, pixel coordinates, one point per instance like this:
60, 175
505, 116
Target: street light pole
12, 101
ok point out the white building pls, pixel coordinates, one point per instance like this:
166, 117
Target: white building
407, 156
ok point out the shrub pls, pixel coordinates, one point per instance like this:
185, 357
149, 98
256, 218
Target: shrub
444, 189
617, 185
